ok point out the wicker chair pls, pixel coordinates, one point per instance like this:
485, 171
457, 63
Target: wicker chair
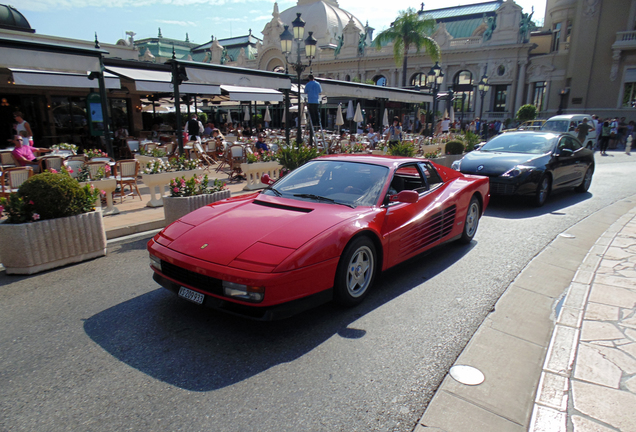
126, 172
12, 179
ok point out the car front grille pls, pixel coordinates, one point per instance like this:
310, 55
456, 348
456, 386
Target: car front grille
497, 188
190, 278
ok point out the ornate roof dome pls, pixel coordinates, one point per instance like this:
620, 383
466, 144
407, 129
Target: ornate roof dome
12, 19
323, 17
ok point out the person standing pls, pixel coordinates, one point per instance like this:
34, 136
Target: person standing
23, 128
394, 132
582, 130
606, 130
445, 125
313, 90
194, 128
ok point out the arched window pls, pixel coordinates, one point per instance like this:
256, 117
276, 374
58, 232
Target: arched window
419, 79
463, 86
279, 69
347, 77
380, 80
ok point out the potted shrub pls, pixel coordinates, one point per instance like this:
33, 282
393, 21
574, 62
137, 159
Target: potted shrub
188, 195
294, 156
454, 151
50, 222
156, 175
403, 148
258, 164
102, 182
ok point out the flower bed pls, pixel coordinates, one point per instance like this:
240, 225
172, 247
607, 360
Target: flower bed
189, 195
158, 174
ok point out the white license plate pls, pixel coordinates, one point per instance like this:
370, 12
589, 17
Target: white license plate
193, 296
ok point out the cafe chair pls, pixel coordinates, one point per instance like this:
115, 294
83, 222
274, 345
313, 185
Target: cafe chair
51, 162
12, 179
237, 157
6, 159
202, 155
79, 157
94, 167
126, 172
75, 166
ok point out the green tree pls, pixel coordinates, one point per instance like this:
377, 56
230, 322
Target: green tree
527, 112
408, 30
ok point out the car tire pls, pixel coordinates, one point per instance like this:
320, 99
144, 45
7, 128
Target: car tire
471, 222
356, 272
543, 190
587, 181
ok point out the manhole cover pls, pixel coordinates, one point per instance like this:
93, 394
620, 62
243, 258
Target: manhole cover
467, 375
566, 235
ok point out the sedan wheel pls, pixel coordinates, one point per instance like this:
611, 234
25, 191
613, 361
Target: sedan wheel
587, 181
472, 221
543, 190
356, 272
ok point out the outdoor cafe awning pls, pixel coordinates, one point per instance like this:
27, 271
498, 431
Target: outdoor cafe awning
253, 94
205, 73
157, 81
19, 53
335, 88
49, 78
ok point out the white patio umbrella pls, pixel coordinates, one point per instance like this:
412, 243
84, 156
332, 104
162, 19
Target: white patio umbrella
157, 108
445, 113
246, 113
385, 117
452, 114
339, 119
358, 115
283, 119
350, 110
268, 117
229, 117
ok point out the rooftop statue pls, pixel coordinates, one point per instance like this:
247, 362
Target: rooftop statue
362, 44
340, 40
491, 25
524, 26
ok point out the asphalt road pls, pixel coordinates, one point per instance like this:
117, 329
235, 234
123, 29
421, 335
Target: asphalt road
99, 346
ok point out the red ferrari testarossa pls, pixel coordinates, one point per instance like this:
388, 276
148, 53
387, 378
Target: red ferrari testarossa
322, 232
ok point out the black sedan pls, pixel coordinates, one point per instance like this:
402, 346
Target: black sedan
531, 164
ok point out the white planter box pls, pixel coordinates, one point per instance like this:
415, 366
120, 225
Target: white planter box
254, 171
33, 247
145, 160
177, 207
107, 185
159, 182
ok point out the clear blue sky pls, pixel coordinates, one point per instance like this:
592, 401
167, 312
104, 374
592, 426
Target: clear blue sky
80, 19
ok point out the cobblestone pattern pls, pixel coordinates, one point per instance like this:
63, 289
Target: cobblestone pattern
588, 383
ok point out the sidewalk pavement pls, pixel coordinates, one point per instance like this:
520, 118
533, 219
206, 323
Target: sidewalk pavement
135, 217
559, 351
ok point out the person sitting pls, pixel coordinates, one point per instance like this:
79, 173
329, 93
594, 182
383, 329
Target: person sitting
209, 127
23, 154
260, 144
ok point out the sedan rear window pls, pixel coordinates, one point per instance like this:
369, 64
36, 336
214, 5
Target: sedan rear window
556, 126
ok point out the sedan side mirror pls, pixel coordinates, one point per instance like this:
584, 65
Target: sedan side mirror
267, 180
406, 196
564, 152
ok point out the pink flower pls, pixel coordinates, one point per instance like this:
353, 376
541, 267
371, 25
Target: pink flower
53, 171
175, 189
31, 202
103, 192
107, 169
36, 216
69, 170
1, 209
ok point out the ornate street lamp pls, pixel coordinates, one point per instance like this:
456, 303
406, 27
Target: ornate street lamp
434, 80
286, 43
483, 88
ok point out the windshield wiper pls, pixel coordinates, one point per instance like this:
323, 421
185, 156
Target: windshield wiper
276, 191
322, 198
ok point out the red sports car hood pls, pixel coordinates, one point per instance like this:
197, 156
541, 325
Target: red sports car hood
263, 229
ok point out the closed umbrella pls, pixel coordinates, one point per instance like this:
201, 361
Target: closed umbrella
350, 110
246, 113
358, 115
283, 119
385, 117
339, 119
268, 117
229, 117
452, 114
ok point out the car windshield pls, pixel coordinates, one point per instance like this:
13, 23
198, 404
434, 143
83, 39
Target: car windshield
531, 143
556, 125
335, 182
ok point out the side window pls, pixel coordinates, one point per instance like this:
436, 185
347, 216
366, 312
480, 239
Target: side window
407, 177
568, 143
432, 176
576, 145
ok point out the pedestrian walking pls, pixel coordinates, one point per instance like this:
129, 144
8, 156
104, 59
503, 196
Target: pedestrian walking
605, 137
582, 130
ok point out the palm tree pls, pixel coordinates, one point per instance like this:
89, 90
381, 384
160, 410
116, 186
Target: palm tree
407, 30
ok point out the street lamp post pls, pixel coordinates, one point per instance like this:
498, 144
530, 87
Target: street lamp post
286, 42
434, 80
483, 88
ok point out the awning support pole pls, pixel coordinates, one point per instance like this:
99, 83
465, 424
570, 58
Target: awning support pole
104, 99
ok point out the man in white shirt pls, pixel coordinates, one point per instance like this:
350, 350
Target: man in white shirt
445, 125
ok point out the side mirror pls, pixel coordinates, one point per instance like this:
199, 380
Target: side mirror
564, 152
266, 179
406, 196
